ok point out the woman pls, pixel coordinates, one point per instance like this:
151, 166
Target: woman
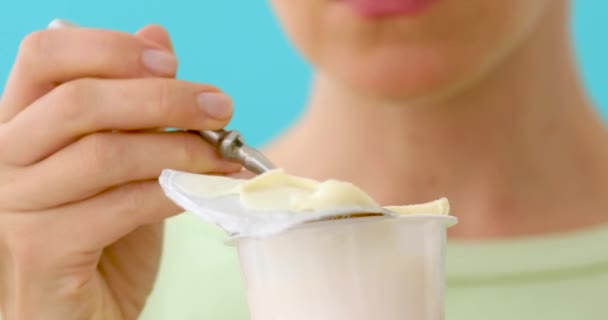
479, 101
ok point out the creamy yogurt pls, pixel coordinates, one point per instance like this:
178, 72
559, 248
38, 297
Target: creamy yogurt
274, 201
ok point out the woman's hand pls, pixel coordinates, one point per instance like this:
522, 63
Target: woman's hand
80, 206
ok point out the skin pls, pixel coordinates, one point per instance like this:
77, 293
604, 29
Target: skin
480, 103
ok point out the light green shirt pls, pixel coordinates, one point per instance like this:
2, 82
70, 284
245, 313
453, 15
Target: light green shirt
555, 277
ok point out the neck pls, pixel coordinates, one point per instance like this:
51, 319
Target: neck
520, 151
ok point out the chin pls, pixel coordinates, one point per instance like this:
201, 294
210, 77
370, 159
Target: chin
406, 74
435, 50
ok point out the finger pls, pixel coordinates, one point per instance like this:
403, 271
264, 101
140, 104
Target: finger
156, 34
87, 105
103, 160
50, 57
105, 218
159, 35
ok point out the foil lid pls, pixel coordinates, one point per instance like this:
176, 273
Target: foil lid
274, 201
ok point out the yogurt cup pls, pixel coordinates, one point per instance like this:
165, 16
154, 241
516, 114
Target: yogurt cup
324, 251
349, 269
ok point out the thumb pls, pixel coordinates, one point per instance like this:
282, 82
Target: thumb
156, 34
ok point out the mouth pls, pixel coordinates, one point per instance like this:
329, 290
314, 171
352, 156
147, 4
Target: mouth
385, 8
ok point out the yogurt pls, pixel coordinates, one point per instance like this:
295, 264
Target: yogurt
275, 201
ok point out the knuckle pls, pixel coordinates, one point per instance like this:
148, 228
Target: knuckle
164, 95
70, 98
32, 45
102, 151
12, 182
137, 197
192, 150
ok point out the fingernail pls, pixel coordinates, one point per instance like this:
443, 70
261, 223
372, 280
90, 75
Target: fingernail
60, 23
160, 62
216, 105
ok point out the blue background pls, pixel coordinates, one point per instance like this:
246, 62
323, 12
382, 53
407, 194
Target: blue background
239, 46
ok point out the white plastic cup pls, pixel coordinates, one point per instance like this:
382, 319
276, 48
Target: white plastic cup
372, 268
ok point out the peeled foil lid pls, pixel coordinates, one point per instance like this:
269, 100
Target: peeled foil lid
229, 213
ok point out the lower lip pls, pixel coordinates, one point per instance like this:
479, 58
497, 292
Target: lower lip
381, 8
